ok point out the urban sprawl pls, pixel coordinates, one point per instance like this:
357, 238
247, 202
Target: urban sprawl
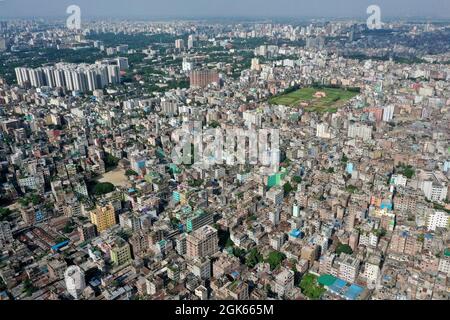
353, 206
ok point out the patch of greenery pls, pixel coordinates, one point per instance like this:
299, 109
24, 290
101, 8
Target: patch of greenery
103, 188
224, 238
286, 163
5, 214
239, 253
253, 258
421, 238
134, 41
111, 162
174, 222
131, 172
343, 248
297, 179
31, 198
406, 170
333, 99
351, 189
287, 188
214, 124
28, 287
310, 287
69, 227
275, 259
380, 232
440, 207
195, 183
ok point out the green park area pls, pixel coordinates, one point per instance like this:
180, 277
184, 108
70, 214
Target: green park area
310, 287
319, 100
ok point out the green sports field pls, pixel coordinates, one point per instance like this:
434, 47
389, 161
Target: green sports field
335, 99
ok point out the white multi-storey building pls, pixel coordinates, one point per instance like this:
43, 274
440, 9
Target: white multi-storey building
75, 281
348, 267
284, 282
444, 265
252, 118
275, 195
388, 113
372, 271
74, 77
362, 131
437, 219
369, 239
399, 180
433, 186
323, 131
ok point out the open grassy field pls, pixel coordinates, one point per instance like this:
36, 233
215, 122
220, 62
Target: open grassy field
335, 98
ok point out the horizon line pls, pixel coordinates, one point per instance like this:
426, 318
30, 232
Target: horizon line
226, 17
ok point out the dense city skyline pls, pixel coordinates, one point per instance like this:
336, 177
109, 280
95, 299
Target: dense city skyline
229, 159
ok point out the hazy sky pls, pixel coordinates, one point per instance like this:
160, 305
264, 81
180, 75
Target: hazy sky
225, 8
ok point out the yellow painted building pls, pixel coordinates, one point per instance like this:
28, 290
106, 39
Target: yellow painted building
103, 217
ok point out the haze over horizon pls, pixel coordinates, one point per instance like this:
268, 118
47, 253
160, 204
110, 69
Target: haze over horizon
225, 8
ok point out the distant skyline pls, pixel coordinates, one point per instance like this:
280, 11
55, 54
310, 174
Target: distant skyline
438, 9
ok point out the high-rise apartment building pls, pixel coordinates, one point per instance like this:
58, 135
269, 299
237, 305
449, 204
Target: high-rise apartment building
2, 44
103, 217
348, 267
204, 77
437, 219
284, 282
179, 44
434, 186
372, 270
191, 41
75, 281
74, 77
202, 243
201, 268
362, 131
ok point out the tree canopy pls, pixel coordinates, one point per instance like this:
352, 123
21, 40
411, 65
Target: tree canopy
343, 248
275, 258
103, 188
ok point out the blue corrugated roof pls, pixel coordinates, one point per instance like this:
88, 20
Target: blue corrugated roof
353, 292
60, 245
338, 285
296, 233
